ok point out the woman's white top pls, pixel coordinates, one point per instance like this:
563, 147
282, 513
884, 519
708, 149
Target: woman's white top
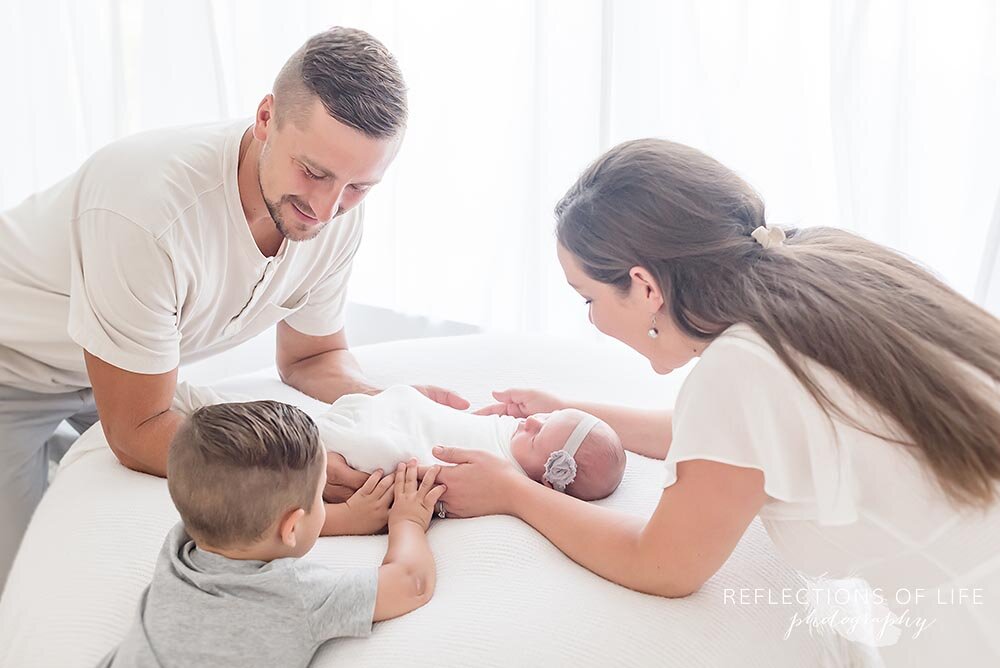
379, 431
844, 503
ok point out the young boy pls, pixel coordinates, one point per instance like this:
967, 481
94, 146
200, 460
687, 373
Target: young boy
229, 588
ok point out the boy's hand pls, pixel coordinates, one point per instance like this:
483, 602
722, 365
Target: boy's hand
341, 480
369, 506
413, 503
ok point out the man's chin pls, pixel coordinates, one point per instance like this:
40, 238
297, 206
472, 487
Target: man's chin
301, 231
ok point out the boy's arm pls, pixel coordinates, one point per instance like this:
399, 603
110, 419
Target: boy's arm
365, 513
342, 520
407, 576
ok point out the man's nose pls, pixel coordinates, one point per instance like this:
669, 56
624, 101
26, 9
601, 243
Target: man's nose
326, 204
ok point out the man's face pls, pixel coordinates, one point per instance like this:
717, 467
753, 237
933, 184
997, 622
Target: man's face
312, 171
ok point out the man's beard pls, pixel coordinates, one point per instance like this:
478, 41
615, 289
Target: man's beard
274, 209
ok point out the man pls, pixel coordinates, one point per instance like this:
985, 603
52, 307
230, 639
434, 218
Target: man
173, 245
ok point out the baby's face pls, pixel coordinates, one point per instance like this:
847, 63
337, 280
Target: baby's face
539, 435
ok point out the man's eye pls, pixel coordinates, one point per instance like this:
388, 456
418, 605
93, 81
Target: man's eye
360, 189
309, 174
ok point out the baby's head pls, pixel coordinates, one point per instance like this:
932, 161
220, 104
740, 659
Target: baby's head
599, 461
249, 477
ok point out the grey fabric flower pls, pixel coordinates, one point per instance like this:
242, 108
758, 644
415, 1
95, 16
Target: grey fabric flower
560, 470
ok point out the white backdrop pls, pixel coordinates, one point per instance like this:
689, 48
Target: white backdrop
875, 116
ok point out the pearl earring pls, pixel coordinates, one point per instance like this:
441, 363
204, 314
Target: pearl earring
653, 331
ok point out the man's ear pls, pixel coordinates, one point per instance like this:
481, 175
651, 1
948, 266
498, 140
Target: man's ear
646, 289
289, 523
264, 120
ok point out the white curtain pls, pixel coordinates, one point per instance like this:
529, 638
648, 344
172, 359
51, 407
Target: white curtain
874, 116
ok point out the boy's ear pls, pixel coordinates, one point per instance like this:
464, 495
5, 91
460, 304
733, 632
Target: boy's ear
289, 523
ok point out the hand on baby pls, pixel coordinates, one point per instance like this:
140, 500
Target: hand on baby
414, 502
479, 484
442, 396
369, 506
521, 403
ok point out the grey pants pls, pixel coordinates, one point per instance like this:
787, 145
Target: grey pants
27, 420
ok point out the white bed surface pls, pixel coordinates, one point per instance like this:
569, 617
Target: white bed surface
505, 596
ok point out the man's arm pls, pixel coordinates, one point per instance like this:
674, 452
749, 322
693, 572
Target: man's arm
135, 414
320, 366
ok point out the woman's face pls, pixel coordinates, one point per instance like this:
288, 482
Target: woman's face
628, 317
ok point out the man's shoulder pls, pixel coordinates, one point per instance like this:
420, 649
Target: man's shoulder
153, 177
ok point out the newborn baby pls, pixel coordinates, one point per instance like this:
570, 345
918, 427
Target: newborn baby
568, 450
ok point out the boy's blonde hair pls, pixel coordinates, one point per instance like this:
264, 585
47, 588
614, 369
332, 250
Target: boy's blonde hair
234, 469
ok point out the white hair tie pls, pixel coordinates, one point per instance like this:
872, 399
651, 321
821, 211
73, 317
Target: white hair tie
769, 237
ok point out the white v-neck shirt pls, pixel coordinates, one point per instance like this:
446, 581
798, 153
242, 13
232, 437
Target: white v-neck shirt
843, 502
144, 258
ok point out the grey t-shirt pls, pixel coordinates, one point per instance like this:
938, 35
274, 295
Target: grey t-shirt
203, 609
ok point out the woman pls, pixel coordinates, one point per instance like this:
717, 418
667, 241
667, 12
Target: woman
844, 395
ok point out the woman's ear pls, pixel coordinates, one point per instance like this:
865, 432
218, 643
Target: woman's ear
645, 288
286, 530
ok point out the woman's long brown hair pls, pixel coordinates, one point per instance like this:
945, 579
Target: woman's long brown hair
901, 338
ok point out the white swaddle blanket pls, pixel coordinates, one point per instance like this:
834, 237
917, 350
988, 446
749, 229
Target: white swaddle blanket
378, 432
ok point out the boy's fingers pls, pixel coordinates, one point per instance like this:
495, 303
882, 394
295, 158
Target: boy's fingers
432, 496
422, 470
400, 479
388, 495
429, 477
372, 481
384, 484
411, 475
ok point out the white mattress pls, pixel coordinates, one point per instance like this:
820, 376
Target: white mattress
505, 596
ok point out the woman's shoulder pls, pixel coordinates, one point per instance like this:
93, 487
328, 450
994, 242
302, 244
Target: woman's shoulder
741, 360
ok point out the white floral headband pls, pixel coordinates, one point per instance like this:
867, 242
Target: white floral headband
560, 468
769, 237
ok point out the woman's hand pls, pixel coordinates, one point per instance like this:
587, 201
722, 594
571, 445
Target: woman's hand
479, 483
521, 403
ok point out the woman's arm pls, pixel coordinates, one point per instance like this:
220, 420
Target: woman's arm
692, 532
644, 432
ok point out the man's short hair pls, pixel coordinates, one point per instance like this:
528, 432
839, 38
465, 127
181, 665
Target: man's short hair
234, 469
355, 77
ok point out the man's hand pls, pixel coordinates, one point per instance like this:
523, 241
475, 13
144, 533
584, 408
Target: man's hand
443, 396
368, 507
341, 480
